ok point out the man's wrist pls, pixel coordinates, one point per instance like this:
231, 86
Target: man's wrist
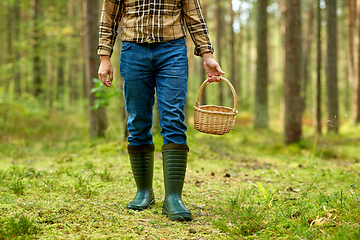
207, 55
104, 57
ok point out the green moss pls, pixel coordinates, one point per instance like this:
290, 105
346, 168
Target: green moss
58, 184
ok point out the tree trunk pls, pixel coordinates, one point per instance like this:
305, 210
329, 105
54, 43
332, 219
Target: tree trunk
37, 59
97, 118
357, 103
261, 85
16, 51
293, 100
73, 66
352, 66
61, 72
318, 72
307, 52
239, 63
10, 48
331, 67
26, 54
2, 39
248, 65
282, 4
84, 82
232, 42
203, 76
344, 57
219, 36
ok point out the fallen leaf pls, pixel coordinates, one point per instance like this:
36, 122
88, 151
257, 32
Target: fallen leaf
143, 220
192, 230
318, 221
201, 206
293, 190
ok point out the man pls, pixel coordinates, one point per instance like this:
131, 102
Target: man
153, 57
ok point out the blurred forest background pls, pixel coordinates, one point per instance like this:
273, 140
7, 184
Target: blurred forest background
293, 63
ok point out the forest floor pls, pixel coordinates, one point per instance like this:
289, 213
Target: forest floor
55, 183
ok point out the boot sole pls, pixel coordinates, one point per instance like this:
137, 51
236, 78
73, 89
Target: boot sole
180, 217
137, 208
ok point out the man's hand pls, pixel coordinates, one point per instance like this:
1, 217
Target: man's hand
212, 68
106, 69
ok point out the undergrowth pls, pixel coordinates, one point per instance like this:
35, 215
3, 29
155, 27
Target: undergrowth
55, 183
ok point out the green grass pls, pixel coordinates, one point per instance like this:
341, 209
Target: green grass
57, 184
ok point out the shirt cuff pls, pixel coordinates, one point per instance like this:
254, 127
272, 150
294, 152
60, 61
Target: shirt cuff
200, 50
101, 50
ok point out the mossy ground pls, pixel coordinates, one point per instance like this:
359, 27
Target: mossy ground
57, 184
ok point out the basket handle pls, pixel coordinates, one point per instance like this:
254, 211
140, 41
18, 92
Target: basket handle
223, 79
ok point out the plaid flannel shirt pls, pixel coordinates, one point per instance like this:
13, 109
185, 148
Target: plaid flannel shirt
152, 21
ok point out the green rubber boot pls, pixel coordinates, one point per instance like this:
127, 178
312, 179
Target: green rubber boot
174, 162
142, 165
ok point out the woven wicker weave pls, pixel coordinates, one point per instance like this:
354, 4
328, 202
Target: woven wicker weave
217, 120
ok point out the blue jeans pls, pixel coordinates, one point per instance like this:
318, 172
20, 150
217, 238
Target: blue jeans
144, 68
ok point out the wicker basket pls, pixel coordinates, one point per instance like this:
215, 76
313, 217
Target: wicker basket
217, 120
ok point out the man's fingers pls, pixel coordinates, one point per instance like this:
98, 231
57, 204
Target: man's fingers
111, 76
213, 79
218, 68
216, 78
106, 70
213, 70
103, 77
99, 74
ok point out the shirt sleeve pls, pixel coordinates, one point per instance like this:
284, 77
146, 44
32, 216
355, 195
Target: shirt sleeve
109, 23
196, 25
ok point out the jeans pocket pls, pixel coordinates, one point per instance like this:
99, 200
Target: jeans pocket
126, 46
